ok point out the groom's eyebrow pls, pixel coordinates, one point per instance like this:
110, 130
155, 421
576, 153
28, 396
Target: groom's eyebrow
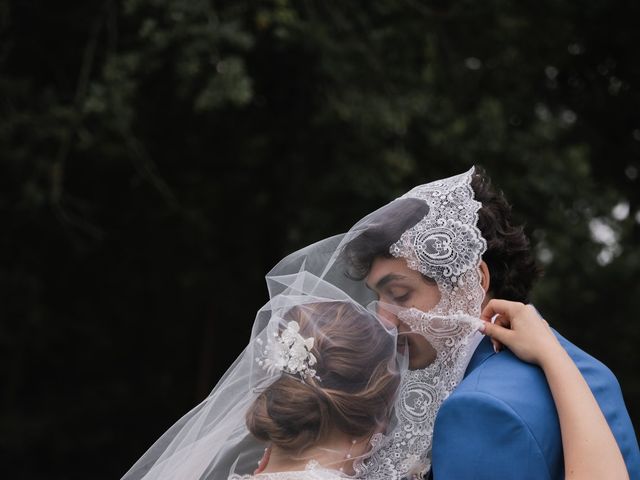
386, 279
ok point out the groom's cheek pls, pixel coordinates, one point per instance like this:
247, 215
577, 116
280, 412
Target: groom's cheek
421, 352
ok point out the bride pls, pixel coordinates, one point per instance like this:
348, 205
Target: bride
316, 385
321, 417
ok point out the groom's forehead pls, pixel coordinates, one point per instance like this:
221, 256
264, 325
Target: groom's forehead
378, 283
386, 270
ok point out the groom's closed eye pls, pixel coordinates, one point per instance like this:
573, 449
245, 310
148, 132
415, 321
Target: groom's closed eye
401, 298
398, 295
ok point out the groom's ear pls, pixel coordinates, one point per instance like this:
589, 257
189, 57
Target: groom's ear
485, 276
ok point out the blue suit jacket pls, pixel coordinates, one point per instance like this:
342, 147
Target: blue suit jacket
501, 422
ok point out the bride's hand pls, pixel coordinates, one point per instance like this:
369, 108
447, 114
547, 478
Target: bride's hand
520, 328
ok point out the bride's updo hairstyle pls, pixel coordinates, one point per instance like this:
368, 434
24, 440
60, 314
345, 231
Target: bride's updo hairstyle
354, 388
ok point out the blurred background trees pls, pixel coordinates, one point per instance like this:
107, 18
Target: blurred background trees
157, 157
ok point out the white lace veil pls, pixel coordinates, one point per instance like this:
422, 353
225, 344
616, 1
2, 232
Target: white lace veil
434, 228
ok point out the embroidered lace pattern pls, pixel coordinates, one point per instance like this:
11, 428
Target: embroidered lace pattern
447, 246
406, 451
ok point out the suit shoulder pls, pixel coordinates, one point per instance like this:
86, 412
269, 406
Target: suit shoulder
504, 373
591, 368
507, 377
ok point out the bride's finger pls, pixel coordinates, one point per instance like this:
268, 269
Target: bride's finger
503, 322
501, 307
497, 332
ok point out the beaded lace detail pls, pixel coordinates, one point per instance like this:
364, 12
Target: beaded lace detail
447, 246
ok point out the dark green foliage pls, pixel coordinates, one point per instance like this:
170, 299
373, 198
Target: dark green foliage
157, 157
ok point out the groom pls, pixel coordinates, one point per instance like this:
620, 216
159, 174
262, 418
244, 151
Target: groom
500, 422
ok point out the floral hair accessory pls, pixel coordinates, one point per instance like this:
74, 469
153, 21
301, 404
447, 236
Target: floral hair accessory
289, 352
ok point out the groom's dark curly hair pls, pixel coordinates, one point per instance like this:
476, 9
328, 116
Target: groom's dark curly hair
509, 256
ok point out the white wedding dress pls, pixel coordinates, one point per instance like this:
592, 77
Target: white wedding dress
312, 471
300, 475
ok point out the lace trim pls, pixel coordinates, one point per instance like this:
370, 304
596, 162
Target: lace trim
406, 451
447, 246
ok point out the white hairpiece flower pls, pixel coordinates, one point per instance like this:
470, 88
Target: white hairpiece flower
289, 352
